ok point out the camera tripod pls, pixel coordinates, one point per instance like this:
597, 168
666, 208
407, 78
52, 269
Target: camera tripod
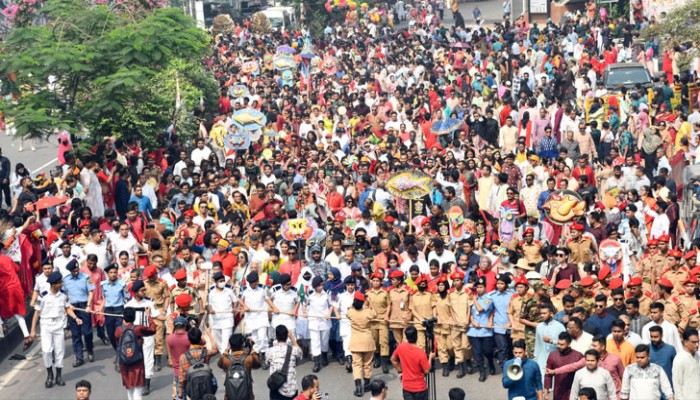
429, 325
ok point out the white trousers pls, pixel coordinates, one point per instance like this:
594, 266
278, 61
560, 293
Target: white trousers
134, 393
319, 342
221, 337
149, 348
53, 342
345, 330
260, 340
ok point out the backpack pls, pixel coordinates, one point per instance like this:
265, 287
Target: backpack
130, 351
238, 382
199, 376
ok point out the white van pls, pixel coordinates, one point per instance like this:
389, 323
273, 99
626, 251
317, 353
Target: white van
281, 18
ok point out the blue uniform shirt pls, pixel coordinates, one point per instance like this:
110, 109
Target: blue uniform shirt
78, 287
528, 385
501, 300
482, 318
114, 293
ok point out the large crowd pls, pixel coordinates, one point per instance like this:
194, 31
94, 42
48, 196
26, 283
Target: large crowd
546, 231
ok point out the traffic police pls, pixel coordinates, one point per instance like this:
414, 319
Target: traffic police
79, 287
52, 310
114, 292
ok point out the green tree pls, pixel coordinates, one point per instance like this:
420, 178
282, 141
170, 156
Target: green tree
681, 26
112, 70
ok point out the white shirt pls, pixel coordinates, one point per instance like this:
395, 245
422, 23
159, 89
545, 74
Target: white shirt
52, 307
344, 303
222, 300
60, 262
255, 299
446, 257
200, 154
600, 380
583, 343
423, 266
100, 250
670, 335
141, 318
285, 301
686, 371
128, 244
40, 283
317, 307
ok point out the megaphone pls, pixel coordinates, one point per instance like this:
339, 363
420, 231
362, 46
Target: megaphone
515, 370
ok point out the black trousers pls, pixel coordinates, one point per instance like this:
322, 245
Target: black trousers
111, 324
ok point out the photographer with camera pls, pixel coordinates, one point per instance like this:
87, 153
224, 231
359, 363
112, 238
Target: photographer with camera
413, 364
237, 363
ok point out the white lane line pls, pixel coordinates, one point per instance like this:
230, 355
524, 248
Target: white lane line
45, 165
8, 377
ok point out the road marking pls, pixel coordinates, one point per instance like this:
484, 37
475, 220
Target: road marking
7, 378
45, 165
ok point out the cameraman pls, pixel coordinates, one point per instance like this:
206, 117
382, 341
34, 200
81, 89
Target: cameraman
236, 352
412, 362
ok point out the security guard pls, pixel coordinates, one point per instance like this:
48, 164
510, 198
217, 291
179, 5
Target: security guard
460, 301
52, 310
421, 307
114, 292
379, 298
79, 288
157, 290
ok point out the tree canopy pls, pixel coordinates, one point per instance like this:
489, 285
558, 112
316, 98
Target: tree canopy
105, 70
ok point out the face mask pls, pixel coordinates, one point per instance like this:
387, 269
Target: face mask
505, 260
221, 284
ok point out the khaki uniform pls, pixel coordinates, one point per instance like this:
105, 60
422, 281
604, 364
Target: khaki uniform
689, 303
644, 303
517, 331
158, 292
361, 342
690, 320
531, 251
660, 263
421, 304
673, 309
190, 289
677, 277
400, 311
581, 250
461, 303
587, 303
379, 329
443, 311
646, 271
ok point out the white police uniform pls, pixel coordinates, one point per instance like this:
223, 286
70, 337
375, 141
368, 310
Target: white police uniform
60, 262
222, 303
256, 322
285, 301
52, 317
317, 306
149, 342
343, 303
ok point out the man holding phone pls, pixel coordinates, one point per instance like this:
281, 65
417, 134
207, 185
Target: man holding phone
309, 389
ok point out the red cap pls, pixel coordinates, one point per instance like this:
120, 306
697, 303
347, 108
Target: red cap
396, 274
653, 242
85, 223
546, 282
425, 220
389, 219
338, 218
664, 238
189, 213
636, 281
665, 282
577, 227
528, 231
603, 273
690, 255
359, 296
457, 275
377, 275
421, 278
675, 253
180, 274
521, 280
615, 283
695, 271
587, 281
150, 271
563, 284
691, 279
183, 300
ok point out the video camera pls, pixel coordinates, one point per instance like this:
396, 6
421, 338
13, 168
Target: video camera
192, 320
429, 323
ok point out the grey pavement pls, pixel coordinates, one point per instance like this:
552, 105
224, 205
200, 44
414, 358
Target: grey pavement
44, 156
25, 379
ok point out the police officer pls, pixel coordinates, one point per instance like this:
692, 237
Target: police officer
284, 301
254, 303
79, 287
342, 304
60, 262
52, 310
114, 292
157, 290
318, 310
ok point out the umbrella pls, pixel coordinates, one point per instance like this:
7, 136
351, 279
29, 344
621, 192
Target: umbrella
237, 141
409, 185
286, 49
459, 45
46, 202
446, 126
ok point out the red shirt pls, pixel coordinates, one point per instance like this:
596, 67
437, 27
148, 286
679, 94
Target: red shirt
414, 363
228, 262
178, 343
293, 268
490, 279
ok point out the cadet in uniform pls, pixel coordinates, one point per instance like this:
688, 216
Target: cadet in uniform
318, 310
361, 342
284, 301
460, 301
140, 302
442, 311
530, 314
691, 319
343, 303
634, 286
254, 304
531, 248
222, 303
183, 287
481, 329
62, 259
582, 249
673, 308
675, 272
421, 304
517, 329
157, 290
79, 288
379, 298
399, 307
114, 292
645, 268
52, 310
688, 297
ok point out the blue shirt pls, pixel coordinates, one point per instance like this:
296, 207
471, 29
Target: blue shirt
542, 199
114, 293
78, 287
144, 203
501, 300
663, 357
528, 385
482, 317
601, 326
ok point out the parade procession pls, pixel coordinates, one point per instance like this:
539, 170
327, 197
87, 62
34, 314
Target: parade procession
417, 200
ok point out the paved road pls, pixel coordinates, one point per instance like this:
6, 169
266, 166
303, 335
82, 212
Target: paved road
36, 161
25, 380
